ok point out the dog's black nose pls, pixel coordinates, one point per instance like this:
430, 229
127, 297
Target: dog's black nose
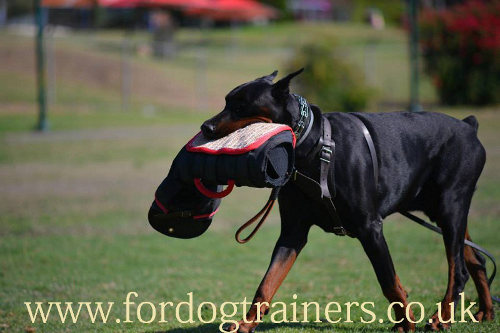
207, 129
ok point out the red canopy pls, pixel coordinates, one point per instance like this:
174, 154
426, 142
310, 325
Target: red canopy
144, 3
231, 9
226, 10
118, 3
165, 3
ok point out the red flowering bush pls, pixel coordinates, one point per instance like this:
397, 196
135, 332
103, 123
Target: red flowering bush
461, 47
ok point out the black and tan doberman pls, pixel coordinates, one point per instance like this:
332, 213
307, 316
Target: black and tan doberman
427, 162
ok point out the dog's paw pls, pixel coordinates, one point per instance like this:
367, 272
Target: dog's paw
436, 325
242, 327
484, 315
404, 326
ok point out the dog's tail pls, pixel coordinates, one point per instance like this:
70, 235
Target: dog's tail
472, 121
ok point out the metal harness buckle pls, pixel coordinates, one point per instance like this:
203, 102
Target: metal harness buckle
326, 153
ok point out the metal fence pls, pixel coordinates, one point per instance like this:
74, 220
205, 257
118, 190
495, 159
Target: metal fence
129, 71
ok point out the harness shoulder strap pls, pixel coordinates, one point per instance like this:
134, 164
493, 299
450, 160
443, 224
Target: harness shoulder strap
326, 155
371, 146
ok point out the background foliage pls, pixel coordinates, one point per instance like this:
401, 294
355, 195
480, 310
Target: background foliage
327, 80
461, 48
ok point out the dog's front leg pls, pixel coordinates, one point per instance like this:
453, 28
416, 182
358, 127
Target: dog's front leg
282, 260
292, 239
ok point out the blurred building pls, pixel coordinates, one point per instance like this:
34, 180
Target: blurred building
311, 10
336, 10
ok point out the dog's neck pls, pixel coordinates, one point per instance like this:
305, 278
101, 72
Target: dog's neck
309, 138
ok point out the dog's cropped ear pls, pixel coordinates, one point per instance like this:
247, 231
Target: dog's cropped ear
281, 89
269, 77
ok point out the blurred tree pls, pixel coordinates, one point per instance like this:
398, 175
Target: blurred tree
282, 6
327, 80
461, 47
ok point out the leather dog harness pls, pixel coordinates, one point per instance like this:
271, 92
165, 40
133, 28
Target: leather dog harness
320, 189
326, 152
309, 186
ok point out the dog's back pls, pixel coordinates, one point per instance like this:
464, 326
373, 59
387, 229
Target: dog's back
415, 150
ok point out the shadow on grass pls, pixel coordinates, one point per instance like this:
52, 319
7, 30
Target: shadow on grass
264, 327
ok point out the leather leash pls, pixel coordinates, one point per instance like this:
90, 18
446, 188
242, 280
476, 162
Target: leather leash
467, 242
264, 212
373, 154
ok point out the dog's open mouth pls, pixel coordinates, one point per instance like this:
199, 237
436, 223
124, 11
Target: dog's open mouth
212, 132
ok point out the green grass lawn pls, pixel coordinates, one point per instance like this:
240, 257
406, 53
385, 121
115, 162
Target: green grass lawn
74, 228
73, 201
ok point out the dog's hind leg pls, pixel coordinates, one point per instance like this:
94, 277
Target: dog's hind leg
455, 176
477, 269
452, 218
373, 242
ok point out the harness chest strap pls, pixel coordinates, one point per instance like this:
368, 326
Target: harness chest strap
308, 185
327, 153
321, 190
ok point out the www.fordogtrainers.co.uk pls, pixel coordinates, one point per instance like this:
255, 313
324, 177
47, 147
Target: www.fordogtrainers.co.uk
208, 312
